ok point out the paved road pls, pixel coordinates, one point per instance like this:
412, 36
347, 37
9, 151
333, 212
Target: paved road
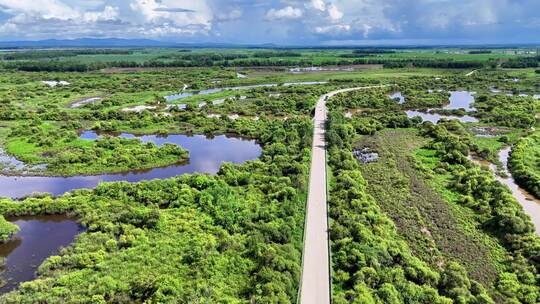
315, 284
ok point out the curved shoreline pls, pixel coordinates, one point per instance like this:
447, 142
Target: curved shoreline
206, 156
529, 203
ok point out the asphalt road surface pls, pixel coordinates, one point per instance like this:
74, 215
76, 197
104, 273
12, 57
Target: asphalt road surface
315, 284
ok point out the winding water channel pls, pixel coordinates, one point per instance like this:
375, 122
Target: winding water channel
206, 156
530, 204
41, 236
457, 100
464, 100
245, 87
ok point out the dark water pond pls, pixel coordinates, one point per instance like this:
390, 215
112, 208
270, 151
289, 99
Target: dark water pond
460, 100
434, 117
206, 156
38, 238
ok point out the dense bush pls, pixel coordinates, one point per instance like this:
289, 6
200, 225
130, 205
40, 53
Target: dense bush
7, 229
359, 224
234, 237
499, 213
112, 154
370, 262
526, 172
508, 111
522, 62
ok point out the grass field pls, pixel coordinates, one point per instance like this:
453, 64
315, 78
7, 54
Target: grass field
315, 56
428, 216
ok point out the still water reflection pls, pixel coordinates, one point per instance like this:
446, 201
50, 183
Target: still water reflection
206, 156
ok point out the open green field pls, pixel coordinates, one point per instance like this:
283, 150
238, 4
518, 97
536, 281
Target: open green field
141, 55
95, 59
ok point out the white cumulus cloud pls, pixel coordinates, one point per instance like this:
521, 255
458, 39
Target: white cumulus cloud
318, 5
288, 12
334, 13
335, 29
277, 21
112, 18
46, 9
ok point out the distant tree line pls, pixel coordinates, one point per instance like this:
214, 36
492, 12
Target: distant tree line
204, 58
270, 54
476, 52
242, 60
49, 54
366, 53
522, 62
373, 51
429, 63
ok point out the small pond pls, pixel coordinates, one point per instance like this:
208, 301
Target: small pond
366, 155
488, 131
206, 156
38, 238
460, 100
81, 102
434, 117
54, 83
397, 96
8, 162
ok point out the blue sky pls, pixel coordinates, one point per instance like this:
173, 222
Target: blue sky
285, 22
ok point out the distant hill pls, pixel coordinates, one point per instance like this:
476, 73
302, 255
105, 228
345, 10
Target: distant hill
113, 42
120, 43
